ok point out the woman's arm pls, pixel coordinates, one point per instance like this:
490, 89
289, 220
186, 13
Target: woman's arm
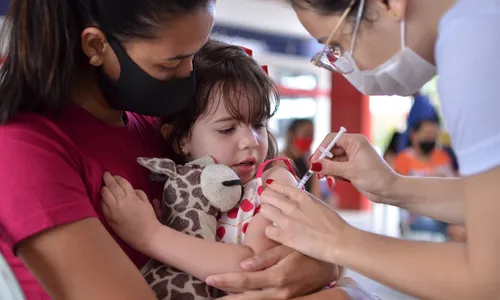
437, 198
463, 271
426, 270
81, 260
133, 219
355, 160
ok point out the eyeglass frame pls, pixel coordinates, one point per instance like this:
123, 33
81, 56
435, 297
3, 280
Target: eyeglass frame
316, 59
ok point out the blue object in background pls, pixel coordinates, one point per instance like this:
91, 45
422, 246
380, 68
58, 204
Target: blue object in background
274, 43
421, 110
4, 6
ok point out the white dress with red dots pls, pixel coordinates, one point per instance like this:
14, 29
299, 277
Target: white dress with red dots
232, 226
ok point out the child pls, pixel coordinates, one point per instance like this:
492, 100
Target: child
228, 121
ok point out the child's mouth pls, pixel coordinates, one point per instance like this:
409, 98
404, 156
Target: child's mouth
246, 163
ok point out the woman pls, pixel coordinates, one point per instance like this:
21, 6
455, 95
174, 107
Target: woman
79, 79
423, 158
421, 155
299, 139
392, 47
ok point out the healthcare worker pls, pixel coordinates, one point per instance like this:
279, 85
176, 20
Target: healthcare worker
393, 47
80, 83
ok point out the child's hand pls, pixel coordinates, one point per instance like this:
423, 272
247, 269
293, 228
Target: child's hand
128, 212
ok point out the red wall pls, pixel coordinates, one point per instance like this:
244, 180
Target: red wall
350, 109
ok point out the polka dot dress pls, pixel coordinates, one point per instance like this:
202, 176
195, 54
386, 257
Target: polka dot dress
232, 226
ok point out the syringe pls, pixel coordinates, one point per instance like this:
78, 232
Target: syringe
324, 153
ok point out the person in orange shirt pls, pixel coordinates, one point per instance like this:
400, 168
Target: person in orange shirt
424, 158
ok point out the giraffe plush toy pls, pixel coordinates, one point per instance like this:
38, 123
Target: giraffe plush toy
194, 196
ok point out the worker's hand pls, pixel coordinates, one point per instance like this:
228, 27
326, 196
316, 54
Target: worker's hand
356, 160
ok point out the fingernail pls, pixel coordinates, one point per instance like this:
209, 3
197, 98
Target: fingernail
269, 181
210, 281
316, 167
330, 183
248, 263
260, 190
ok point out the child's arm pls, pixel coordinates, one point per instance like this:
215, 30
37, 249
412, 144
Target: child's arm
131, 216
203, 258
255, 237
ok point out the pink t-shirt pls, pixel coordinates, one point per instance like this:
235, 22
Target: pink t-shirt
51, 174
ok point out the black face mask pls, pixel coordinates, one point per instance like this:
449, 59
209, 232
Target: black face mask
136, 91
427, 146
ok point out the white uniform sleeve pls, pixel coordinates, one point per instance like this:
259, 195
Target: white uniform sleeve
468, 63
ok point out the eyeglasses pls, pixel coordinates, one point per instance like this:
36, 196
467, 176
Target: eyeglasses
332, 58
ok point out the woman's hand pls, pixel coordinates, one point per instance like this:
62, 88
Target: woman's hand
356, 160
278, 273
129, 212
303, 222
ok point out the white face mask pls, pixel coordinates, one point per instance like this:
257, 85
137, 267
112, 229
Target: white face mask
404, 74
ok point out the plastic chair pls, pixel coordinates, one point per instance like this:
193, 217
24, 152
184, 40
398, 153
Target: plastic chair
422, 228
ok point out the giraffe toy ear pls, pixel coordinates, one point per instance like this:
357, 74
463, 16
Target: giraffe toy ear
202, 162
159, 166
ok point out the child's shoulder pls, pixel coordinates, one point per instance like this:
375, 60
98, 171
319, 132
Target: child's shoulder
280, 174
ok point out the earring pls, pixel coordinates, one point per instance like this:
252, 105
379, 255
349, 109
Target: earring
394, 14
185, 152
95, 60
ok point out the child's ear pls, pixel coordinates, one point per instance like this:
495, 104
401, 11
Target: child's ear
185, 146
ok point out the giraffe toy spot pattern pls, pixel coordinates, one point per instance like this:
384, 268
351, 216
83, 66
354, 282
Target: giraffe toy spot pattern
194, 196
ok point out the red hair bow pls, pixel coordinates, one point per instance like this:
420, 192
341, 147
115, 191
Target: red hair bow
250, 53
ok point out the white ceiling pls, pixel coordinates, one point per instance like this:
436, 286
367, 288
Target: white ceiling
273, 16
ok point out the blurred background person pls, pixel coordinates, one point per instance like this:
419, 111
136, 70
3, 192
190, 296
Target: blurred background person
299, 139
421, 155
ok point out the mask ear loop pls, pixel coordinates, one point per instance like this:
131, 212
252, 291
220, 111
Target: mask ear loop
403, 33
356, 27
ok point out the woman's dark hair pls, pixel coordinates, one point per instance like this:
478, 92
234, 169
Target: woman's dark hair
294, 125
225, 75
416, 126
44, 57
393, 145
326, 7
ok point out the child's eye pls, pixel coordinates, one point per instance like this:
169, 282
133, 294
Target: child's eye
226, 130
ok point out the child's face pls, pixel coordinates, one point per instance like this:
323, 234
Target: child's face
241, 146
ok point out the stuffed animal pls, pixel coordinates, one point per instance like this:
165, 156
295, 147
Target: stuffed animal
194, 196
